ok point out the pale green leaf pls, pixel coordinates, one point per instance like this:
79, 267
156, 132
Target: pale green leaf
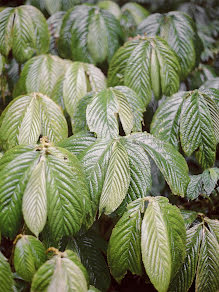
28, 117
208, 264
169, 161
163, 239
29, 255
188, 217
214, 226
124, 250
34, 204
194, 187
110, 6
116, 181
6, 26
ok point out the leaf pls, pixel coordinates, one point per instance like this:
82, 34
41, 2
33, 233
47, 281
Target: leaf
6, 276
78, 143
6, 26
101, 113
209, 178
97, 37
196, 129
188, 217
137, 71
34, 204
163, 239
92, 288
116, 181
194, 187
124, 250
110, 6
59, 274
15, 170
185, 276
87, 247
28, 117
29, 255
178, 29
40, 74
171, 164
213, 226
208, 264
166, 121
79, 79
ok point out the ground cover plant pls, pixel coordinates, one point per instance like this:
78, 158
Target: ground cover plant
109, 131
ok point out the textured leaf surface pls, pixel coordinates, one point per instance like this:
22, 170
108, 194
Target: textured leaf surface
208, 264
214, 227
79, 79
87, 247
15, 169
166, 121
102, 113
194, 187
185, 276
178, 30
124, 250
34, 203
6, 276
196, 129
163, 239
117, 180
59, 274
188, 217
29, 255
171, 164
28, 117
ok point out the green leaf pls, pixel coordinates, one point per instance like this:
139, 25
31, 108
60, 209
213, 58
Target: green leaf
188, 217
79, 79
169, 161
208, 264
40, 74
89, 34
124, 250
93, 289
210, 178
116, 181
214, 226
34, 204
194, 187
78, 142
29, 255
102, 113
28, 117
185, 276
196, 129
6, 276
165, 123
67, 196
163, 239
15, 170
59, 274
110, 6
87, 246
6, 27
178, 29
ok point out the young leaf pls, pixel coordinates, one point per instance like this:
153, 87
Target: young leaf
208, 264
61, 273
116, 181
29, 255
34, 203
124, 250
163, 239
213, 226
28, 117
6, 276
185, 276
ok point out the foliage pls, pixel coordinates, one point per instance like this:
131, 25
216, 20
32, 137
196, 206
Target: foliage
109, 128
